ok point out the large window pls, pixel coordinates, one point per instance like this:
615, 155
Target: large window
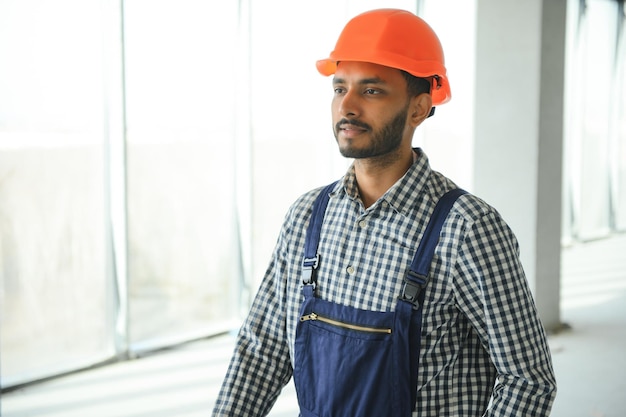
55, 299
118, 219
180, 111
595, 143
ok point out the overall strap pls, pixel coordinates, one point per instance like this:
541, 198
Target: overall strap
311, 257
417, 276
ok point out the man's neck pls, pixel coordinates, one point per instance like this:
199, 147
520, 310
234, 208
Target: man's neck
375, 176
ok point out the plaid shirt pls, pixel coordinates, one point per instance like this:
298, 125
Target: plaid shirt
480, 324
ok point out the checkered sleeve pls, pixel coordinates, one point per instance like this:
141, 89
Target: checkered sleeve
260, 366
494, 294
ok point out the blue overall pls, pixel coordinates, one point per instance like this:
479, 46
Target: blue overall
351, 362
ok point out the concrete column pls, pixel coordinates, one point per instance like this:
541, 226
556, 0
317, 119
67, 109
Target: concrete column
520, 55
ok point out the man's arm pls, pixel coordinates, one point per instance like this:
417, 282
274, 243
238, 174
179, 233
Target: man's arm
260, 365
504, 315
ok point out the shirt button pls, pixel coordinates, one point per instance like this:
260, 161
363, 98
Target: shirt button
385, 204
350, 270
362, 223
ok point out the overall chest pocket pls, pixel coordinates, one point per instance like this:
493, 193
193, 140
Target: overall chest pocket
345, 361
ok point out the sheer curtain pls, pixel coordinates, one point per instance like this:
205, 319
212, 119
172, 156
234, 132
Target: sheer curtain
118, 217
55, 298
595, 162
180, 112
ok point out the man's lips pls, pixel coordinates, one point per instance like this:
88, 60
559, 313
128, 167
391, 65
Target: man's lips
351, 129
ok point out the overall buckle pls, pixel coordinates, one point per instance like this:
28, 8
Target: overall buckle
412, 288
309, 265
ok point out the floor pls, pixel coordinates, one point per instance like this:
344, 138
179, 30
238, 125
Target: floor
589, 360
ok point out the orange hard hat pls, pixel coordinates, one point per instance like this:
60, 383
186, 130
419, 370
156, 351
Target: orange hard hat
393, 38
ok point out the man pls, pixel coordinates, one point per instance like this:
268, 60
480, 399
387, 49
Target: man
482, 351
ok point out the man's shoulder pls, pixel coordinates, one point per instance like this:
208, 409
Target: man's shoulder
473, 207
302, 206
468, 206
308, 197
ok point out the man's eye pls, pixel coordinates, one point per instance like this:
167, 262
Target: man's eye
338, 90
371, 91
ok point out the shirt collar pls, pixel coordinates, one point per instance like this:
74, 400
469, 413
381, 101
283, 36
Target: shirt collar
402, 196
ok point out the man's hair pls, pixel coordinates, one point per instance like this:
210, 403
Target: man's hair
415, 85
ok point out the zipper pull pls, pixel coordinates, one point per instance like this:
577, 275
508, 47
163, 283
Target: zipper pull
311, 316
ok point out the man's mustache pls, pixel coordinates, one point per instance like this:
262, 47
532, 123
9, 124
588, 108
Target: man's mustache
353, 122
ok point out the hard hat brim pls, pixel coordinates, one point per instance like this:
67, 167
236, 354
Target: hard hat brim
440, 95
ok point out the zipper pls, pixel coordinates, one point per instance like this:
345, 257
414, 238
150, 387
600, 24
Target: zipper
316, 317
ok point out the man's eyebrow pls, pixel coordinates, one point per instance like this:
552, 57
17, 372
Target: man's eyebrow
364, 81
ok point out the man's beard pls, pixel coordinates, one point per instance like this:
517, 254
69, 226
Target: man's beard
382, 142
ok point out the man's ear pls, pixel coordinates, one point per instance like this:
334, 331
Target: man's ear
420, 108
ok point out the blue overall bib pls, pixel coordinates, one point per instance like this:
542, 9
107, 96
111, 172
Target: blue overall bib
351, 362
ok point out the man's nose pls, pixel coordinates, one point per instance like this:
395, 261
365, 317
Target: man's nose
349, 105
